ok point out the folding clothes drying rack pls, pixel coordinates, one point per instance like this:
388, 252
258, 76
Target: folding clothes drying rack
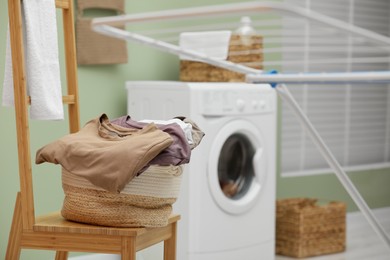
106, 26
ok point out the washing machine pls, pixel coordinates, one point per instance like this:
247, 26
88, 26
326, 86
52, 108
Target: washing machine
227, 199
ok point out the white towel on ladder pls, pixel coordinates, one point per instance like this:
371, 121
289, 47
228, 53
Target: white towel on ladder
42, 63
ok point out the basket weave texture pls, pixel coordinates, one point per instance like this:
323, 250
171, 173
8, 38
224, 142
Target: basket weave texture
146, 201
304, 228
245, 54
94, 48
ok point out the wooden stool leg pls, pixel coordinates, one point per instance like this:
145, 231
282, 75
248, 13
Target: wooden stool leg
170, 245
15, 234
128, 248
61, 255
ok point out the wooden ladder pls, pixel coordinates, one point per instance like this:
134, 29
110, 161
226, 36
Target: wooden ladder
52, 231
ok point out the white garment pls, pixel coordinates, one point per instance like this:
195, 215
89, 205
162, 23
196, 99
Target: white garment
214, 44
42, 63
186, 127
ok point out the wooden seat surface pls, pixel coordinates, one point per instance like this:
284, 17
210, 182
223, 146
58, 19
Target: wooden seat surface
54, 222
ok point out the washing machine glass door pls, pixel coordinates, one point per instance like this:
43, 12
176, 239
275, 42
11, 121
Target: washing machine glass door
237, 166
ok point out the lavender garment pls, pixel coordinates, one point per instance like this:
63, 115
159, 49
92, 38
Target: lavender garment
179, 152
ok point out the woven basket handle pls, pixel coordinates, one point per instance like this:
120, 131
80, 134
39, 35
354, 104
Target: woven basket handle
287, 206
116, 5
307, 203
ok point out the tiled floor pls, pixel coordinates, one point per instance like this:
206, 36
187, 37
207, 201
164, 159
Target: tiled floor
362, 242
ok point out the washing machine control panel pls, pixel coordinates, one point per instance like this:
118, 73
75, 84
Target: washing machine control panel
222, 102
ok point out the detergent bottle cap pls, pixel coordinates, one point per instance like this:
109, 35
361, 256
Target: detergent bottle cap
245, 31
245, 27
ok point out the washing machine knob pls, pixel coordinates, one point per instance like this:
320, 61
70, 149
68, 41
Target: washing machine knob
240, 104
262, 104
255, 104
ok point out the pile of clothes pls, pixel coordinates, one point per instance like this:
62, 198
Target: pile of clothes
106, 156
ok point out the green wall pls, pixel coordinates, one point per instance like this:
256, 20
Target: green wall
102, 90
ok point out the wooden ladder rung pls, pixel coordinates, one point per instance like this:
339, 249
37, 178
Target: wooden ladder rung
65, 99
64, 4
68, 99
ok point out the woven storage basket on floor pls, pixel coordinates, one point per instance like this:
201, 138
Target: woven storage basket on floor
146, 201
304, 228
249, 55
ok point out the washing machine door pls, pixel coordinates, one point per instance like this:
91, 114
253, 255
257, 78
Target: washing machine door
237, 167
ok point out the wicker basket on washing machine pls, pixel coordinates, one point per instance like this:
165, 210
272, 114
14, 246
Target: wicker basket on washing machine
249, 55
146, 201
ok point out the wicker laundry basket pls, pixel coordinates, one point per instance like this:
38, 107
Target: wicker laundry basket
304, 228
146, 201
249, 55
